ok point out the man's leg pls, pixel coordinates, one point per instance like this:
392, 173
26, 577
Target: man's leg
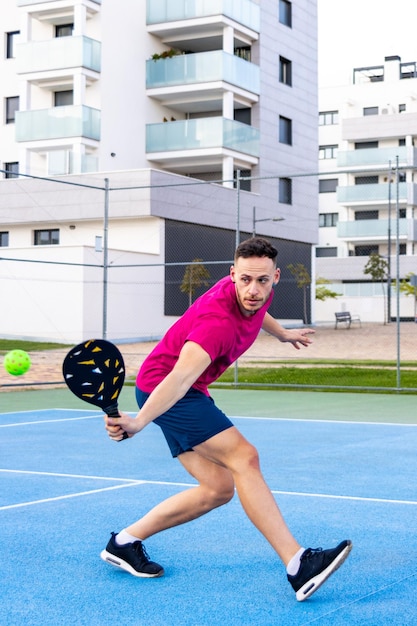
231, 450
215, 488
309, 569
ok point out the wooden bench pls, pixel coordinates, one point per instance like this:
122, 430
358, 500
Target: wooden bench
347, 318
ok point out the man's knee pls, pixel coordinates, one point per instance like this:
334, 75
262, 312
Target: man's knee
221, 494
246, 458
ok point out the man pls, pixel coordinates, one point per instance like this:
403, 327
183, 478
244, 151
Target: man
172, 392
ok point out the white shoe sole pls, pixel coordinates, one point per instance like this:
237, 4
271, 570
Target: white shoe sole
314, 583
108, 557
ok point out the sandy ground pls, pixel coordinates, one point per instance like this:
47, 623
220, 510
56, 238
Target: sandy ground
370, 341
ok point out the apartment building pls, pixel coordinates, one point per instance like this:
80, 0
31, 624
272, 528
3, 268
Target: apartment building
367, 199
201, 114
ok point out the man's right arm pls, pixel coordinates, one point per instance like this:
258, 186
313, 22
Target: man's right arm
192, 362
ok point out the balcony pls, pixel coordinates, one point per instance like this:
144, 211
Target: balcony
202, 133
376, 194
244, 12
376, 229
202, 79
378, 127
206, 67
377, 157
57, 123
59, 53
351, 268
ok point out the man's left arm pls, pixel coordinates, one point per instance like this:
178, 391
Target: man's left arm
297, 336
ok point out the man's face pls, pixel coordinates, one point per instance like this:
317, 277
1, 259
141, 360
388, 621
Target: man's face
254, 278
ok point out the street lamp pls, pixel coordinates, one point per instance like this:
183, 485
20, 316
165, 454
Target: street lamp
263, 219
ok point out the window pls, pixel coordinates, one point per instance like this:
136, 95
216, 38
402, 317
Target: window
365, 145
245, 185
285, 71
366, 180
328, 251
327, 220
46, 237
402, 249
366, 250
401, 142
402, 213
12, 170
328, 118
63, 98
285, 130
370, 110
328, 152
64, 30
328, 185
285, 13
408, 70
244, 52
11, 40
285, 191
402, 108
366, 215
4, 239
12, 105
243, 115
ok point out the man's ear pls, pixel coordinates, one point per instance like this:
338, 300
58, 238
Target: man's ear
277, 276
232, 274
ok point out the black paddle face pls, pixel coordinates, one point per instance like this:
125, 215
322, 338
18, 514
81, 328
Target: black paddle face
94, 371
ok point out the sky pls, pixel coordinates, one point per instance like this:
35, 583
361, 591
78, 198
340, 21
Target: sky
360, 33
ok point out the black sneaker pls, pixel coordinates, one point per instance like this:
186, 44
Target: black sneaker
131, 557
315, 567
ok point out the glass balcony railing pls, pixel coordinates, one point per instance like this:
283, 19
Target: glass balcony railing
370, 193
244, 12
58, 53
375, 156
209, 132
369, 229
57, 123
203, 67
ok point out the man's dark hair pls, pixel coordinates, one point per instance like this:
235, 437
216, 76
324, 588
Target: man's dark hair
256, 246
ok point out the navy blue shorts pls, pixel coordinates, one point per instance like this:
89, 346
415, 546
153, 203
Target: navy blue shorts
191, 421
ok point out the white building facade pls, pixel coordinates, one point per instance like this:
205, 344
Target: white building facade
143, 109
367, 189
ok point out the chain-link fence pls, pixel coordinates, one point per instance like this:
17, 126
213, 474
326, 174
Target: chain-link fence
123, 257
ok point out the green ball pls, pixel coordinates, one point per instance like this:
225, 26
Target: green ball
17, 362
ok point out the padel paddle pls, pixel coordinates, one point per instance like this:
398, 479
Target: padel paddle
95, 372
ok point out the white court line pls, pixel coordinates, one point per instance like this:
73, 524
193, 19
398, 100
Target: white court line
62, 475
63, 419
129, 482
232, 417
340, 497
70, 495
54, 410
321, 421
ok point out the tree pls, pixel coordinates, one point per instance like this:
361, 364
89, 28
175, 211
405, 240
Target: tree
195, 275
303, 279
377, 268
322, 292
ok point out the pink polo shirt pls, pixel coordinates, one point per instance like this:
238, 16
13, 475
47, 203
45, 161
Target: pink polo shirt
214, 322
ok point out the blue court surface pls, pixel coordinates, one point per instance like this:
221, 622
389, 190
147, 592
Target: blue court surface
65, 486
